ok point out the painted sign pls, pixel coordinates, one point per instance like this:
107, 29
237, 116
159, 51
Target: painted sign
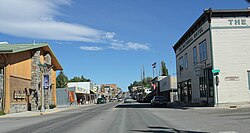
46, 81
236, 22
232, 78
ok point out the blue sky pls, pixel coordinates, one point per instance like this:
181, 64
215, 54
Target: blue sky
108, 41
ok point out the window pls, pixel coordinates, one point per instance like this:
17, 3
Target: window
195, 55
203, 92
181, 63
248, 75
1, 70
203, 51
186, 61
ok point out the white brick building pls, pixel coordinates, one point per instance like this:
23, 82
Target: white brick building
219, 39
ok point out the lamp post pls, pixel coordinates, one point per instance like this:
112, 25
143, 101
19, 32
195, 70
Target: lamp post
44, 68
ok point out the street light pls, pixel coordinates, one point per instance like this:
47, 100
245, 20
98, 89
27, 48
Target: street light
44, 68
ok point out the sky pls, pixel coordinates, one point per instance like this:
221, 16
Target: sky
107, 41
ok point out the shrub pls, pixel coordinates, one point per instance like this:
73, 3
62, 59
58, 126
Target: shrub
2, 112
51, 106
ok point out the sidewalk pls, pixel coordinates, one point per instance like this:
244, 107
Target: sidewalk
37, 113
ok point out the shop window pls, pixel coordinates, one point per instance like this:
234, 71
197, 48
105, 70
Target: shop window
1, 70
202, 87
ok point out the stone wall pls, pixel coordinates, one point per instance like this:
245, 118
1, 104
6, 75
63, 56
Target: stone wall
35, 80
15, 108
47, 92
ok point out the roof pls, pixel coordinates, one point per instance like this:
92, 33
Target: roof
207, 14
6, 48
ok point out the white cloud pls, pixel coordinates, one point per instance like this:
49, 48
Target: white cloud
91, 48
129, 46
36, 19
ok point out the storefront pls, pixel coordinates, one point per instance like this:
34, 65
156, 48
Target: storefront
218, 42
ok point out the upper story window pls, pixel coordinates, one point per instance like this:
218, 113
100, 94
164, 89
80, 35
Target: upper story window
195, 55
203, 50
181, 63
186, 61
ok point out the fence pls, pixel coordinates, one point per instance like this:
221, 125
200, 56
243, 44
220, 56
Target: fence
62, 97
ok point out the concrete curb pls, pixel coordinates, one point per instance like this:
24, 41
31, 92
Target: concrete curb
37, 113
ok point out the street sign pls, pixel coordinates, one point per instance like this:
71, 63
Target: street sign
215, 70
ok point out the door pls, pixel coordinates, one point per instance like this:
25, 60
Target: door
189, 90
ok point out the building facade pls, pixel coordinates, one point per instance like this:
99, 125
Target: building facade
218, 40
20, 76
83, 92
165, 86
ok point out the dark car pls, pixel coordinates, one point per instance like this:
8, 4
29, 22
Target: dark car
159, 100
101, 100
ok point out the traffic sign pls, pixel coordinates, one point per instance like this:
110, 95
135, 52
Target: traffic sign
215, 70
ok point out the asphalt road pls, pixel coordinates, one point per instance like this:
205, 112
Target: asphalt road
118, 117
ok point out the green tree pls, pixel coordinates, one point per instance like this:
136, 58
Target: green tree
164, 70
61, 80
79, 79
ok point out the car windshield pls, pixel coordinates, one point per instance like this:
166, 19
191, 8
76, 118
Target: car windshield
124, 66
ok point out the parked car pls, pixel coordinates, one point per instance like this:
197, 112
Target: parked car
159, 100
120, 99
128, 100
101, 100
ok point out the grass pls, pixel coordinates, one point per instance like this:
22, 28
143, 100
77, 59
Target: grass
1, 112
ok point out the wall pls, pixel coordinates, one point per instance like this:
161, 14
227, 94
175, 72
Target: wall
190, 73
18, 97
231, 55
20, 64
53, 88
17, 78
85, 85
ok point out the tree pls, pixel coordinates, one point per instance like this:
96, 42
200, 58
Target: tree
146, 82
61, 80
79, 79
164, 70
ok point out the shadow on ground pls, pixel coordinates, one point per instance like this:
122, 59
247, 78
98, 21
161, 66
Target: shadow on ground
158, 129
147, 105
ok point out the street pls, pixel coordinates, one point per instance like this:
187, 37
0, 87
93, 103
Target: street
118, 117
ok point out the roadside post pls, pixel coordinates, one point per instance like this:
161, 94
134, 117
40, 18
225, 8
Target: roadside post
216, 73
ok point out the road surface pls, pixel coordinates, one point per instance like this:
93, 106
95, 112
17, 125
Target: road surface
118, 117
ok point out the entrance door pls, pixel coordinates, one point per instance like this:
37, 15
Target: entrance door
1, 87
189, 90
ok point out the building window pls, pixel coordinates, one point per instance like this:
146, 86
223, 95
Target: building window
1, 70
248, 75
195, 55
203, 50
186, 61
203, 92
181, 63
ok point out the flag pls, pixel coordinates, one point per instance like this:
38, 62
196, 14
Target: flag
153, 65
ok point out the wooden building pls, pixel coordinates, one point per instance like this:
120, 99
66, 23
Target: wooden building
20, 76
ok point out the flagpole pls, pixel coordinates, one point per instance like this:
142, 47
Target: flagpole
153, 72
